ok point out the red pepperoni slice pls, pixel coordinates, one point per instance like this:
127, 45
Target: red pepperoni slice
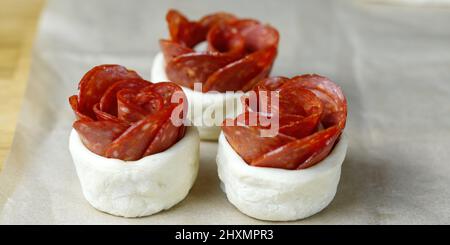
331, 95
321, 154
98, 135
238, 74
256, 35
263, 74
226, 40
184, 31
165, 138
104, 116
171, 49
299, 126
264, 88
299, 102
209, 21
181, 132
166, 90
108, 102
172, 94
73, 100
271, 83
132, 144
247, 140
259, 99
303, 151
97, 81
134, 105
188, 69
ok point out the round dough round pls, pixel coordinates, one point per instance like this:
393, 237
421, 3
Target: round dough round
137, 188
279, 194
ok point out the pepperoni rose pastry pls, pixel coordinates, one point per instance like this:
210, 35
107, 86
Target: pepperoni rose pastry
219, 53
131, 150
293, 173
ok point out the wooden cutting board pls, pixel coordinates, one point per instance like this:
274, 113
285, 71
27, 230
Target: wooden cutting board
18, 22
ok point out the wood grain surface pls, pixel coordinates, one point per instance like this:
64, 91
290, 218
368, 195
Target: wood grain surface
18, 22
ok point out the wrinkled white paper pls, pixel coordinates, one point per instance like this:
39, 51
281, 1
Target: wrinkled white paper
393, 63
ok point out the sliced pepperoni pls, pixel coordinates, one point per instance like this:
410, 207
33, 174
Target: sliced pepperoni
262, 93
73, 100
226, 40
321, 154
97, 81
166, 90
250, 45
184, 31
238, 74
299, 126
257, 36
98, 135
181, 132
171, 49
247, 140
104, 116
108, 102
172, 94
131, 116
133, 143
299, 102
305, 103
261, 100
300, 153
272, 83
134, 105
245, 101
190, 68
263, 74
189, 33
165, 138
331, 95
209, 21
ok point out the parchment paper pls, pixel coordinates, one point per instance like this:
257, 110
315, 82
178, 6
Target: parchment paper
393, 63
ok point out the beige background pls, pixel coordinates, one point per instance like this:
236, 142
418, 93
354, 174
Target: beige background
391, 61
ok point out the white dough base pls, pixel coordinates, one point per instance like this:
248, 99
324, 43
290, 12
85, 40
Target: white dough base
202, 105
279, 194
137, 188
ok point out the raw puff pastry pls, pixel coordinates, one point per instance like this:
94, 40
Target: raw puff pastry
279, 194
138, 188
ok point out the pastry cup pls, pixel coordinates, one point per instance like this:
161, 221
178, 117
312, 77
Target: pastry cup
209, 129
137, 188
278, 194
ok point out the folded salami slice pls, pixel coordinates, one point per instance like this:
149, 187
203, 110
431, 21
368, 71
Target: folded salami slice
94, 84
122, 116
132, 144
108, 102
190, 68
73, 101
247, 140
243, 73
240, 51
98, 135
311, 116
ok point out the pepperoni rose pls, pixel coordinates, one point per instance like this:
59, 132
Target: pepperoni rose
240, 52
120, 115
311, 112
